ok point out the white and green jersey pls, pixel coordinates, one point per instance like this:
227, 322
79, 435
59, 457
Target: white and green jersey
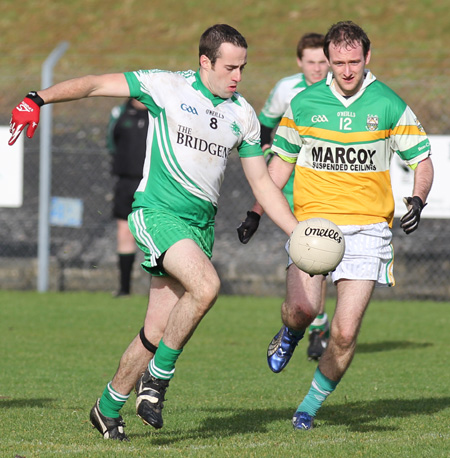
274, 108
343, 149
190, 136
279, 98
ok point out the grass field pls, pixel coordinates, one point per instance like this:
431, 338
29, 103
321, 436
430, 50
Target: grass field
58, 351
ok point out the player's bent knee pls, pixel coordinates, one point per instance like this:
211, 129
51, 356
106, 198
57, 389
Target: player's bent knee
214, 287
210, 294
206, 294
345, 340
304, 308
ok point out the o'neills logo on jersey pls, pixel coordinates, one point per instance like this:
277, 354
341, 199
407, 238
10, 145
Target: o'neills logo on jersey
342, 159
202, 145
327, 233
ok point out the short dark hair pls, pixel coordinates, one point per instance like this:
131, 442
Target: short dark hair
310, 41
214, 36
346, 33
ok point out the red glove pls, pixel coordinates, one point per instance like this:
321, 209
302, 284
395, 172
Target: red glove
26, 113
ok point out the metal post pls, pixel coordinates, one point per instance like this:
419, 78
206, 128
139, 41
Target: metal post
45, 170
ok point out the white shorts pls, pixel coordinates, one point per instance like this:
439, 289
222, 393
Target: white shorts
369, 255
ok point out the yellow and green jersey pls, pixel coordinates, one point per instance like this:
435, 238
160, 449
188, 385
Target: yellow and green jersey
343, 147
273, 110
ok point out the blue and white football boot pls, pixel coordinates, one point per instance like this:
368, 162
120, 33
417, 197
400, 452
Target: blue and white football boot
302, 420
281, 349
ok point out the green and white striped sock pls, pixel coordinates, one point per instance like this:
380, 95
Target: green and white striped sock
111, 402
162, 366
321, 388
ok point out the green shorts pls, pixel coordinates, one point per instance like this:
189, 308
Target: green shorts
156, 231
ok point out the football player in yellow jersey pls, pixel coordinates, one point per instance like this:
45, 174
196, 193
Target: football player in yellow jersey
340, 134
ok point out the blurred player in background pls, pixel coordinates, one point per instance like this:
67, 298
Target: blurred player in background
126, 141
340, 135
196, 119
314, 65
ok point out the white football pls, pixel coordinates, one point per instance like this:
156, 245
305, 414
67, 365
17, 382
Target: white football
316, 246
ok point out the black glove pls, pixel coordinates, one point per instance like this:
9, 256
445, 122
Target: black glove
248, 227
410, 221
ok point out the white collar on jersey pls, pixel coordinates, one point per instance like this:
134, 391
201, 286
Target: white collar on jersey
369, 78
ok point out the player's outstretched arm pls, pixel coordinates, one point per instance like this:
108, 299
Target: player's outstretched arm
108, 85
27, 113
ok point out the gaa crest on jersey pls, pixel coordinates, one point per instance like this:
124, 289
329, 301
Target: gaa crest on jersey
235, 129
372, 122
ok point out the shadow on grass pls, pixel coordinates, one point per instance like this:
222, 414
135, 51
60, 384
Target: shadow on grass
357, 417
390, 345
362, 416
222, 422
7, 402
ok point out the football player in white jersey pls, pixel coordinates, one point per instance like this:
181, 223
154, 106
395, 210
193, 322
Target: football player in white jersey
314, 65
195, 120
340, 135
